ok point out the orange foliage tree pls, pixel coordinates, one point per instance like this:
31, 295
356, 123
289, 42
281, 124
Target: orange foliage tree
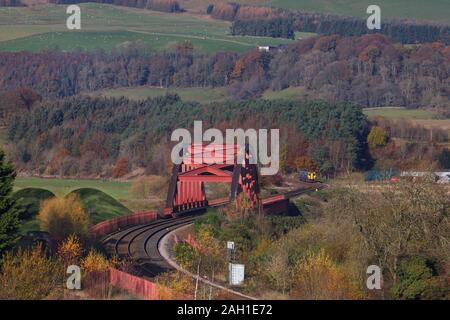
121, 168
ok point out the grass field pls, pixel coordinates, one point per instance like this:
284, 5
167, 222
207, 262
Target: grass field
30, 200
117, 190
291, 93
61, 187
422, 117
107, 27
202, 95
400, 113
100, 205
435, 10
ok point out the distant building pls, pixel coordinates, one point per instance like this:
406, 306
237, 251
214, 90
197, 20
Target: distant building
265, 48
279, 48
440, 177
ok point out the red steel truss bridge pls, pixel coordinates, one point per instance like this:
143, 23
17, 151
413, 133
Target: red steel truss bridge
186, 199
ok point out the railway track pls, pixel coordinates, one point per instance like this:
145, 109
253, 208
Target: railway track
140, 243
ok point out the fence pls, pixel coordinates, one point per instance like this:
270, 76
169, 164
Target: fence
106, 227
141, 287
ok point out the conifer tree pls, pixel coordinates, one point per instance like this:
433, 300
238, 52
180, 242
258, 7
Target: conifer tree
9, 211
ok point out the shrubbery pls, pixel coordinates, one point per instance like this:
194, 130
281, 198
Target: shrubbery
29, 275
62, 217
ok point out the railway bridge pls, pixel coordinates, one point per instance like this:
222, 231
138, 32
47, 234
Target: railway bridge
217, 164
186, 199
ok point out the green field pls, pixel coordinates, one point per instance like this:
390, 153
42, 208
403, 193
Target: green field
400, 113
201, 95
291, 93
107, 27
100, 204
422, 117
434, 10
61, 187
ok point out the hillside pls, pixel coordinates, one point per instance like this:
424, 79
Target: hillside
99, 205
109, 27
121, 135
370, 70
30, 200
437, 10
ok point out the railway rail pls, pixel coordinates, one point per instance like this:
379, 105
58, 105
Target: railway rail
140, 244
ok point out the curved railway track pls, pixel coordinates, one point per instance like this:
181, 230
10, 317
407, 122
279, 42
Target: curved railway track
140, 243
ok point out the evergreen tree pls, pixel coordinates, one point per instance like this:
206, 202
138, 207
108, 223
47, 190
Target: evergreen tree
9, 212
444, 159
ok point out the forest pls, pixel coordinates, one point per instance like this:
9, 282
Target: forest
275, 28
369, 70
253, 20
111, 137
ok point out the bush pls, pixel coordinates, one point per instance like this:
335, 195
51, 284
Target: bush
318, 277
185, 255
377, 137
29, 275
95, 268
62, 217
417, 280
95, 262
70, 251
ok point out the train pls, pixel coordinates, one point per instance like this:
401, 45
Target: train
307, 176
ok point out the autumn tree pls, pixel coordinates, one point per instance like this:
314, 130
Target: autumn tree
377, 137
121, 168
405, 219
62, 217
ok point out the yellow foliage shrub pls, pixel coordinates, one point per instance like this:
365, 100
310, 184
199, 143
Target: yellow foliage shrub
95, 262
29, 275
70, 251
318, 277
64, 216
95, 267
377, 137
